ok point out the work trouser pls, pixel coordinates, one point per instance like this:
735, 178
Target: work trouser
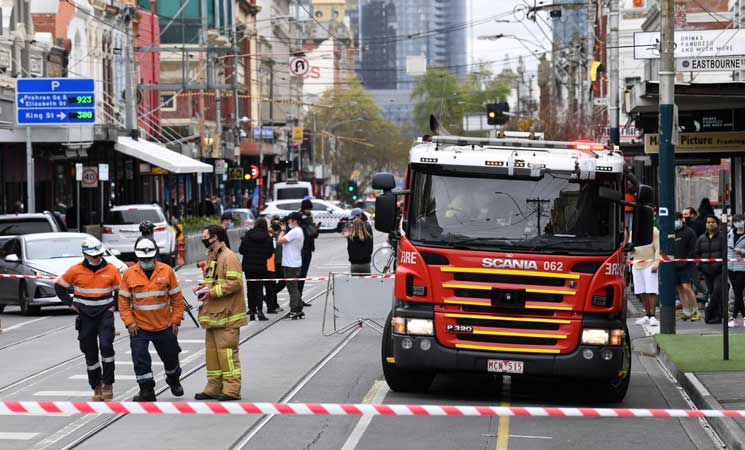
296, 300
94, 332
254, 292
223, 364
307, 256
271, 295
166, 345
737, 279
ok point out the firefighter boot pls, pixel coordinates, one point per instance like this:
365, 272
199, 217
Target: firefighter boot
107, 392
97, 394
147, 394
177, 389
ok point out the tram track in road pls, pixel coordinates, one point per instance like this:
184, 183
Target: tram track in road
112, 420
37, 336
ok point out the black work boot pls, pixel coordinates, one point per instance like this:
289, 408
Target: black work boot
177, 389
147, 394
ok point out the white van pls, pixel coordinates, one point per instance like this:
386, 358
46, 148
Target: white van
292, 190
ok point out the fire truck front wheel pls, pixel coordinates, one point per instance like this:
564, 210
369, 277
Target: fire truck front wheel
613, 390
398, 379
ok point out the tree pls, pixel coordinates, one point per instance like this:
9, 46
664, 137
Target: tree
438, 92
355, 134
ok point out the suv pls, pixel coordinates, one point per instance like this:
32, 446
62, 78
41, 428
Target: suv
30, 223
122, 228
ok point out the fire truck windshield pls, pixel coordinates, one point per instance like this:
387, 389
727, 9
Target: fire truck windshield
552, 214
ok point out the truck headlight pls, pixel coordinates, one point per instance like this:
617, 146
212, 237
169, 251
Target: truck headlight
399, 325
593, 336
422, 327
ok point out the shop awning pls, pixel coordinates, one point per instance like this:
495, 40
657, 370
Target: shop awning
160, 156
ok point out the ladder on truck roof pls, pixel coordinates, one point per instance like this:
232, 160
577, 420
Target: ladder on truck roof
524, 143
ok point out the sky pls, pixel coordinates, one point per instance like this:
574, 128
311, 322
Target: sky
514, 12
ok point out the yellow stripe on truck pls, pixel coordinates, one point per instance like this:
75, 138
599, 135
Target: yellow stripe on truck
506, 349
507, 318
527, 273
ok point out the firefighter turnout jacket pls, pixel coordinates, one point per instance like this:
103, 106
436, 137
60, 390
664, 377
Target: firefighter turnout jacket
224, 276
94, 287
152, 303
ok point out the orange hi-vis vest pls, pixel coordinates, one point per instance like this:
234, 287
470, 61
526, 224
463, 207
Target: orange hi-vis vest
92, 290
152, 303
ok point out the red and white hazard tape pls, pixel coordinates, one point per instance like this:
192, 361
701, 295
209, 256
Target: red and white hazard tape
667, 259
186, 280
42, 408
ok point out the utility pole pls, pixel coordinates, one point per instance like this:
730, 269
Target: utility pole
613, 62
23, 8
667, 164
129, 78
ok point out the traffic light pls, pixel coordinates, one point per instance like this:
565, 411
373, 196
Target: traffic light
495, 113
352, 188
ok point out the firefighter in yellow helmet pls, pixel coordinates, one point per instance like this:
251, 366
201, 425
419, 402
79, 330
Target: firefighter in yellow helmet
222, 314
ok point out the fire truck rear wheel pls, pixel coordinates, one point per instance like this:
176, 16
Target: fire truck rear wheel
614, 390
398, 379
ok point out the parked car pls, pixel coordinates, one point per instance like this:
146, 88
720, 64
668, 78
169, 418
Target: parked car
44, 222
122, 228
41, 254
246, 217
330, 216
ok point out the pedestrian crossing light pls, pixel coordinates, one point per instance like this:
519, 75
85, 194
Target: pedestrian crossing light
350, 188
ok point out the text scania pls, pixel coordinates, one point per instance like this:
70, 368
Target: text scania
499, 263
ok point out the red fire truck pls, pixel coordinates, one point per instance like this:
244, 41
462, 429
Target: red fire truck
510, 260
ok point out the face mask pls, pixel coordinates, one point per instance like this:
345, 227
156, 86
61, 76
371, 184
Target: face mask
95, 264
231, 225
739, 225
712, 227
206, 243
678, 224
147, 265
292, 225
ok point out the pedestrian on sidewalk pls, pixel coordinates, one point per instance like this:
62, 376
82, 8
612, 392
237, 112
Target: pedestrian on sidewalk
684, 247
310, 233
222, 314
646, 281
694, 221
709, 245
151, 306
276, 228
359, 248
256, 248
226, 222
94, 283
291, 238
736, 249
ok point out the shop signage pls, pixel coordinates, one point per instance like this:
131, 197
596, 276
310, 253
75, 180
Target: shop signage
714, 64
691, 44
728, 142
263, 133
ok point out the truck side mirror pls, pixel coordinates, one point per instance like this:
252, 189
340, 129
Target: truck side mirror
385, 212
384, 181
645, 195
642, 229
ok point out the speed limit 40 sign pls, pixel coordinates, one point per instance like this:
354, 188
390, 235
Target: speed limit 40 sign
90, 177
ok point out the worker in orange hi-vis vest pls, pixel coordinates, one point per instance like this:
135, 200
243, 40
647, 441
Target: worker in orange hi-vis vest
94, 283
151, 306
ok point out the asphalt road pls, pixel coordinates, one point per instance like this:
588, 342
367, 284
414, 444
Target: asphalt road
286, 360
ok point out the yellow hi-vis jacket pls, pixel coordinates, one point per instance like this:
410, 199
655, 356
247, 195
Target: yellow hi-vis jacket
224, 276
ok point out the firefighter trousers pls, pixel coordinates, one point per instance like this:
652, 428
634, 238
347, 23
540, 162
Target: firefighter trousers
96, 332
166, 345
223, 364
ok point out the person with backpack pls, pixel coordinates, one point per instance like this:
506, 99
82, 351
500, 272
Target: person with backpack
310, 232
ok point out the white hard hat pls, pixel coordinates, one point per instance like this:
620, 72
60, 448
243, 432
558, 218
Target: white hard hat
92, 247
146, 248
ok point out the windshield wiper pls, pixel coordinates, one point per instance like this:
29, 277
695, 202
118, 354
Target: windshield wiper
571, 242
495, 241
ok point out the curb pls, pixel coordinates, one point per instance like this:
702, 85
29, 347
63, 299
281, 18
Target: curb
727, 429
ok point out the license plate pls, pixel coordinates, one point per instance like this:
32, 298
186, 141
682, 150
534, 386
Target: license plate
504, 366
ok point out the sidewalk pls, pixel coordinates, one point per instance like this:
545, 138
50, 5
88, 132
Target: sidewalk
693, 356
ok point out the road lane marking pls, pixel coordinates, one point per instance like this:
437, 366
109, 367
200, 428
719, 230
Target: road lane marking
63, 393
191, 341
154, 352
22, 324
130, 363
503, 432
375, 396
523, 436
14, 436
117, 377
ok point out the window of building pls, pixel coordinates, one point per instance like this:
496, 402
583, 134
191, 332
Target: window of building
168, 100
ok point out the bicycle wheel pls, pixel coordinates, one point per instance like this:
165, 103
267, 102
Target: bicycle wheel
381, 259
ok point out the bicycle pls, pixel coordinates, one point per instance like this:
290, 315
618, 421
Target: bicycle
384, 259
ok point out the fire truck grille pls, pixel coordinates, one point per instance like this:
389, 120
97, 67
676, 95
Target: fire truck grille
506, 339
474, 293
508, 324
508, 279
493, 310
